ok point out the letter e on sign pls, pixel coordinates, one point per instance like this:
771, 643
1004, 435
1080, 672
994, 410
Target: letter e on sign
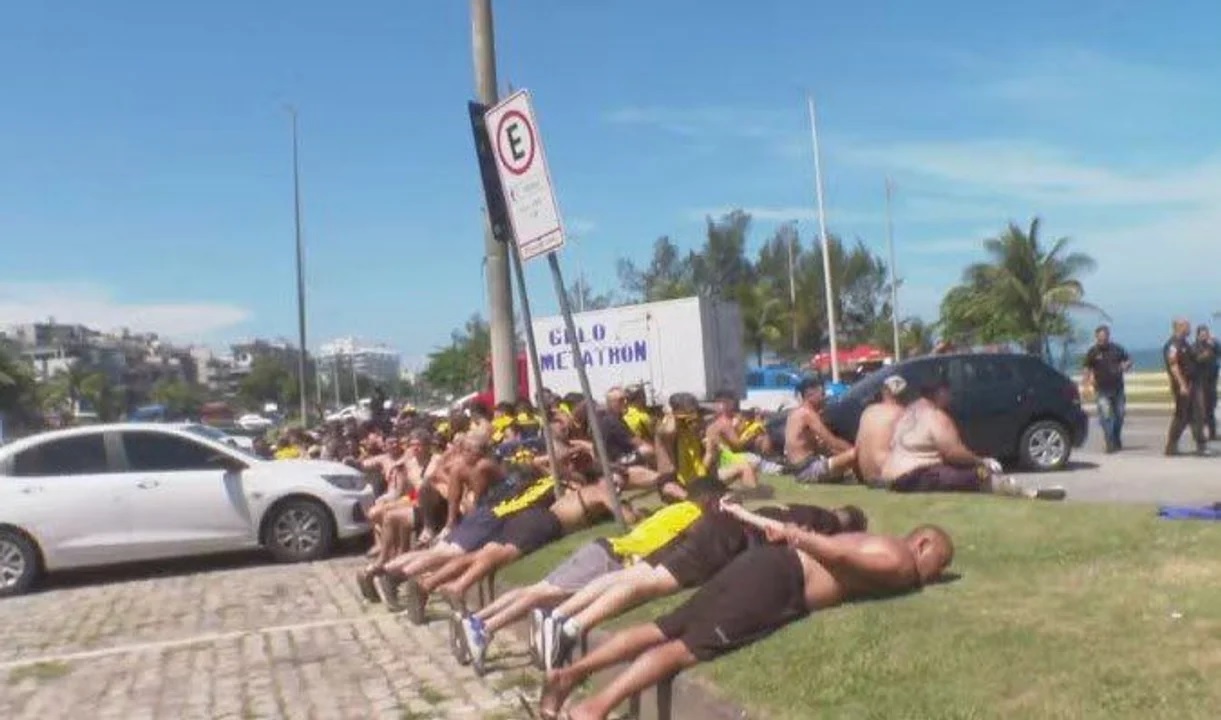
515, 142
521, 166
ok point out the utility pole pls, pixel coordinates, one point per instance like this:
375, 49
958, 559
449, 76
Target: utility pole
826, 249
894, 283
499, 287
301, 363
793, 281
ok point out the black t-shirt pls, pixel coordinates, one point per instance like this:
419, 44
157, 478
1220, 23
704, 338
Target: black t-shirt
619, 440
1106, 363
1206, 360
1182, 358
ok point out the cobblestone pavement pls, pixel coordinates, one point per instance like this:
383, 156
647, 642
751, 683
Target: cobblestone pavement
241, 641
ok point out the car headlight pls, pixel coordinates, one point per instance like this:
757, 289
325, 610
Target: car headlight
346, 482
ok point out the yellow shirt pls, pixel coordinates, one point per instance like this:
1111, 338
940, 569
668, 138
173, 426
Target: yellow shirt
526, 420
639, 422
690, 459
751, 430
655, 532
499, 425
525, 498
292, 452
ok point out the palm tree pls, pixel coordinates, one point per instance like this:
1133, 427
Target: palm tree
764, 316
63, 391
1036, 286
17, 389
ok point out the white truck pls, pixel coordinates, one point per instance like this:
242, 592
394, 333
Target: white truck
689, 345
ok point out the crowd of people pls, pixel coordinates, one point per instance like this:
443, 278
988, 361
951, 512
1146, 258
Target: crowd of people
463, 496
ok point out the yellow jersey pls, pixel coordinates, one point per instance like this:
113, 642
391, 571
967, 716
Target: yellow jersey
655, 532
690, 460
751, 430
526, 498
499, 426
639, 422
526, 420
292, 452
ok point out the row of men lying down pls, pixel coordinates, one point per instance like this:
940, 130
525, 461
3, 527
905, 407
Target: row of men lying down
758, 571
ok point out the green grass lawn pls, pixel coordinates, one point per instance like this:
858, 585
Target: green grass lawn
1060, 611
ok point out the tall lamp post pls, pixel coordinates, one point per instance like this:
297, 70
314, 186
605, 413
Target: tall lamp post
301, 364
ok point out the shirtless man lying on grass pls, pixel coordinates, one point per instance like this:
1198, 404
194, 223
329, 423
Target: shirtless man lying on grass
764, 589
701, 552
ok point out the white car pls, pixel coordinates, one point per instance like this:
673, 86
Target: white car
127, 492
252, 422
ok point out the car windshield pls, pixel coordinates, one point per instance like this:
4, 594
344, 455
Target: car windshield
212, 433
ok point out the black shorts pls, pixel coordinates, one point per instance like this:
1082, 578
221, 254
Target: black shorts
701, 552
475, 530
531, 529
761, 591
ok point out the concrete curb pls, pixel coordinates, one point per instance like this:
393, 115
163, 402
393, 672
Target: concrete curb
690, 698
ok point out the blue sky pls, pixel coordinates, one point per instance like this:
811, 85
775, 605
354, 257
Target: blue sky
145, 158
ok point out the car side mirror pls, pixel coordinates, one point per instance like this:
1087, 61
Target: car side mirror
227, 463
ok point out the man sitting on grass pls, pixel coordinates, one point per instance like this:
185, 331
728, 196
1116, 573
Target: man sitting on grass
928, 455
814, 454
709, 545
590, 562
876, 430
764, 589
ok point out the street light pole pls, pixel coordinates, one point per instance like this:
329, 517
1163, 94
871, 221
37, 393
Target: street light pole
499, 287
894, 283
301, 363
793, 281
826, 250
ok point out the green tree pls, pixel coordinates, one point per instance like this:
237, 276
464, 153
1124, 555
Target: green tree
462, 366
764, 317
581, 297
61, 393
18, 392
269, 381
180, 398
1030, 286
669, 274
100, 395
721, 269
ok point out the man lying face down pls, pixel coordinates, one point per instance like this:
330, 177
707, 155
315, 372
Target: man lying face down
770, 585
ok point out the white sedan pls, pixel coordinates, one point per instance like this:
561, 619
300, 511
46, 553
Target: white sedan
108, 494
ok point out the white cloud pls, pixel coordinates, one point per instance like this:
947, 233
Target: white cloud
1070, 78
97, 307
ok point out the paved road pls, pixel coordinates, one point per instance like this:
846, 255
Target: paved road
1140, 473
235, 638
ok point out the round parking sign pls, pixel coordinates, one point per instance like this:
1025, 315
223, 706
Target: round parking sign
515, 142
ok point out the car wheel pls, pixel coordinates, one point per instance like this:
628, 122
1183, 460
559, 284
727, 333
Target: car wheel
1045, 445
299, 531
18, 563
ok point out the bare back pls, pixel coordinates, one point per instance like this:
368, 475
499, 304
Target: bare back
874, 437
826, 588
581, 507
916, 441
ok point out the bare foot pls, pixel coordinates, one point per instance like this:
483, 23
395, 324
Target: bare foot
583, 712
556, 688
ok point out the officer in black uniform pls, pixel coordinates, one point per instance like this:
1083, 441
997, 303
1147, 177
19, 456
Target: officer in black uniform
1180, 366
1207, 352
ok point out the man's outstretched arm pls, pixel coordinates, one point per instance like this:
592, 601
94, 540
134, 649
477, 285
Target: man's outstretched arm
885, 564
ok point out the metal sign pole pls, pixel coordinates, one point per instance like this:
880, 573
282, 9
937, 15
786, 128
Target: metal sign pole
595, 427
532, 348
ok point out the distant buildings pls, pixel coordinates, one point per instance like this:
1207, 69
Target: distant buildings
349, 356
222, 374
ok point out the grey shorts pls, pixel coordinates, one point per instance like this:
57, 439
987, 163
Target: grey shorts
590, 562
811, 470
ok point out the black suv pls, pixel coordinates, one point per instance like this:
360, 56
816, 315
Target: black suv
1015, 408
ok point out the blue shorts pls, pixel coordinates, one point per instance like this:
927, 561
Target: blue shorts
475, 530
